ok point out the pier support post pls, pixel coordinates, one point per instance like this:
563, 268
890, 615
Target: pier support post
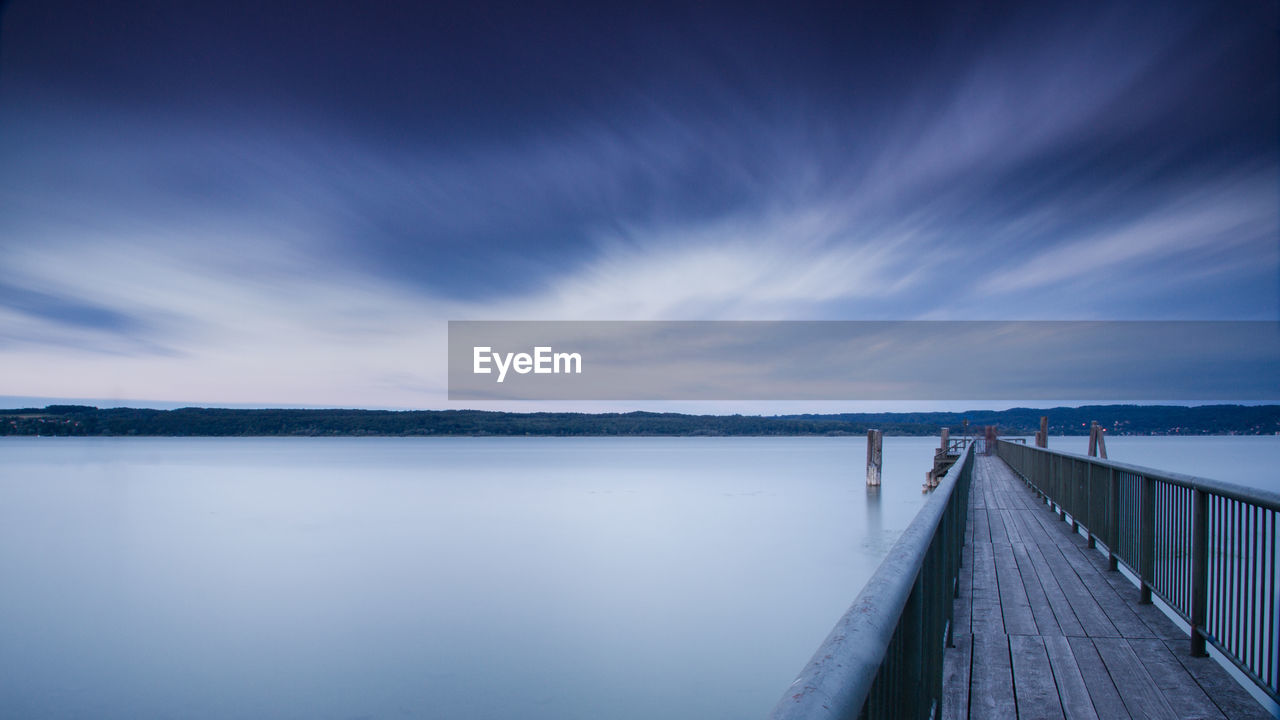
941, 461
1199, 571
875, 457
1097, 441
1042, 437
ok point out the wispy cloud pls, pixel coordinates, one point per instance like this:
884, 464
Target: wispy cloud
1060, 168
1233, 219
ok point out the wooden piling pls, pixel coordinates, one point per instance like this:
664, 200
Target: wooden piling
875, 456
1042, 437
942, 461
1097, 441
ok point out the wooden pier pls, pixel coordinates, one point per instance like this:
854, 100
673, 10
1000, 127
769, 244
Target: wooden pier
1042, 629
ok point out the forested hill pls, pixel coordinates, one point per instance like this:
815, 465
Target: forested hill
1118, 419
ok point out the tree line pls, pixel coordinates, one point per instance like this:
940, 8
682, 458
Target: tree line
83, 420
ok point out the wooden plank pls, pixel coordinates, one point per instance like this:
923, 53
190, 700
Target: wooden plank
986, 617
992, 502
1138, 691
991, 679
1033, 685
998, 534
978, 492
1121, 608
1227, 694
1023, 497
955, 679
1046, 622
1118, 612
1090, 567
1102, 689
1010, 527
1158, 624
1015, 608
1121, 601
1087, 611
1076, 704
1179, 688
1063, 614
1078, 645
981, 529
983, 486
1126, 590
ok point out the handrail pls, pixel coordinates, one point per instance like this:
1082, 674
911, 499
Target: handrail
1206, 548
1256, 496
884, 656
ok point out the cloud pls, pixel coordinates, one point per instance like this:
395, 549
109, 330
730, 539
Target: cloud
785, 265
1234, 218
1057, 169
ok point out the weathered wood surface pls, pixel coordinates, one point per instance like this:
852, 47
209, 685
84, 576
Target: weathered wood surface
875, 456
1044, 630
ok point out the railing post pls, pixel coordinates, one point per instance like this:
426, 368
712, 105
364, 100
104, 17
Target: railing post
1089, 506
1147, 539
912, 624
1042, 468
1046, 477
955, 541
1078, 500
1064, 488
1199, 571
1113, 532
1075, 497
1050, 481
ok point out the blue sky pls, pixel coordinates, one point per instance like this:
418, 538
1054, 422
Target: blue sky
283, 203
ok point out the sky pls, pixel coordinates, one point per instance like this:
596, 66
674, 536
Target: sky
282, 204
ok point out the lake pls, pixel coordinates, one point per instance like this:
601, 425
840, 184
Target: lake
431, 578
451, 578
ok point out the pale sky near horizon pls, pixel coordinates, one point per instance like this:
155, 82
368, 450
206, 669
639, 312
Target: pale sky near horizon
282, 204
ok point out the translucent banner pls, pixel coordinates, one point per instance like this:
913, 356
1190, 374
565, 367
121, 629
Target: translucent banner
857, 360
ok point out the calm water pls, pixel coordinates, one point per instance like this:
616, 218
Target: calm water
450, 578
430, 578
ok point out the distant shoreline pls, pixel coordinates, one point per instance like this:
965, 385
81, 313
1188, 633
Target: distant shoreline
86, 421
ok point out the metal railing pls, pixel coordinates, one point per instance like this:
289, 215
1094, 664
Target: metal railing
1206, 548
884, 656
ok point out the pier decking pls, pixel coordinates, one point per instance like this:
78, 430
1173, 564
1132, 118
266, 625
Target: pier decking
1044, 630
